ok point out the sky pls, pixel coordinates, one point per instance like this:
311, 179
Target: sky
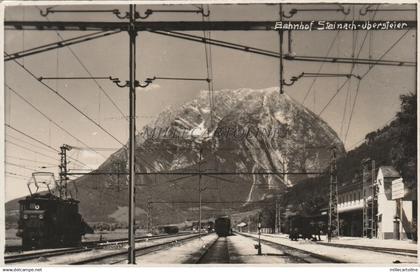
376, 104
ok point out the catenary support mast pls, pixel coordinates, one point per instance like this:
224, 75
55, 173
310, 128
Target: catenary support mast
132, 142
333, 221
165, 27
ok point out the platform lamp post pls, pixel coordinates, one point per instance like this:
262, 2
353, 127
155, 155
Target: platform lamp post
258, 246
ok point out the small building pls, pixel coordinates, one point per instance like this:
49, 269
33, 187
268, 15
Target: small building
389, 211
393, 209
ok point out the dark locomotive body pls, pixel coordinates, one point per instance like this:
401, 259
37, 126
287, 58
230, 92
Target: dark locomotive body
222, 226
169, 229
47, 221
306, 227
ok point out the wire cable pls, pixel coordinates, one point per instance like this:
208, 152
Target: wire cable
29, 160
32, 138
90, 74
322, 64
31, 144
386, 52
20, 166
369, 69
42, 143
49, 119
351, 71
68, 102
348, 97
27, 148
352, 110
17, 175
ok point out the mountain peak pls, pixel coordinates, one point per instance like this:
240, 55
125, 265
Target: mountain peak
251, 131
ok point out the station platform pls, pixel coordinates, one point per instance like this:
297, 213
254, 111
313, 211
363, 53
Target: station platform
353, 249
408, 245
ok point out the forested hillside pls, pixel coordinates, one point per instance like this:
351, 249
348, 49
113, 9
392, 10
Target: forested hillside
395, 144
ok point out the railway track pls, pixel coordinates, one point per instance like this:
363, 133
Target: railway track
87, 246
393, 251
10, 249
387, 250
121, 255
299, 255
216, 253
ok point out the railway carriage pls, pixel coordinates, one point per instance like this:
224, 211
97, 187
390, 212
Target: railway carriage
223, 226
306, 227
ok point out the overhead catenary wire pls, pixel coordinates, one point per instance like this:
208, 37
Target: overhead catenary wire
221, 173
68, 102
369, 69
42, 143
16, 174
346, 102
20, 166
358, 84
29, 149
386, 52
90, 74
352, 110
29, 160
95, 148
57, 45
50, 119
322, 64
360, 141
18, 178
30, 137
31, 144
103, 91
364, 40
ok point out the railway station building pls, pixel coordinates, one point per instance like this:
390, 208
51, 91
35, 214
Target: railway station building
390, 213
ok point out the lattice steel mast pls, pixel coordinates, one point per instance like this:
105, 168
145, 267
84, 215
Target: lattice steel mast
333, 220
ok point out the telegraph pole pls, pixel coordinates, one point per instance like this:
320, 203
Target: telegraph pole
132, 32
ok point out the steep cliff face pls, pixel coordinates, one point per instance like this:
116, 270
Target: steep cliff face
248, 131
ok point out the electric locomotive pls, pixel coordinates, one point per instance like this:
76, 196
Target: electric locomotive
48, 221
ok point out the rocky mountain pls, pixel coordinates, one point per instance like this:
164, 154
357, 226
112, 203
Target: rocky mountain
248, 131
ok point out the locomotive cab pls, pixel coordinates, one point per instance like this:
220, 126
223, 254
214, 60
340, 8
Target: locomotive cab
47, 221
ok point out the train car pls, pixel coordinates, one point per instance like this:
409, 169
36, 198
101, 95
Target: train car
222, 226
306, 227
47, 221
169, 229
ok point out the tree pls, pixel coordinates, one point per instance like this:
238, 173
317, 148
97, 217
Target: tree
404, 154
